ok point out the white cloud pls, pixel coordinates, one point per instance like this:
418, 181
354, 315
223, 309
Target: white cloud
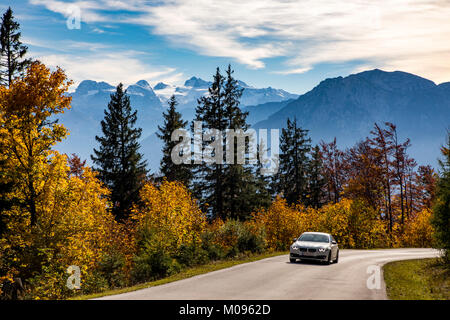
409, 35
293, 71
109, 67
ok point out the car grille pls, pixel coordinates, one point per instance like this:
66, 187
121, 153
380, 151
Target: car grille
312, 250
314, 257
303, 249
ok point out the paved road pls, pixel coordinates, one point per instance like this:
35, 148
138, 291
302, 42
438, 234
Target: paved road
276, 278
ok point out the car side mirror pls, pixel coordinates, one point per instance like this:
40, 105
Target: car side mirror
333, 242
295, 239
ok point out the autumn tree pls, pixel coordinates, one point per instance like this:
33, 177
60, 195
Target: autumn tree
12, 61
6, 187
365, 176
118, 160
172, 121
171, 214
425, 180
399, 163
382, 149
76, 165
27, 131
441, 209
333, 166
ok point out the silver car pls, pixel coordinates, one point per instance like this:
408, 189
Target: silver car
316, 246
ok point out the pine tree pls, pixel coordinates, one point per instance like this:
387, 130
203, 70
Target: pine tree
316, 180
294, 162
208, 177
240, 193
441, 210
12, 60
230, 190
119, 162
172, 122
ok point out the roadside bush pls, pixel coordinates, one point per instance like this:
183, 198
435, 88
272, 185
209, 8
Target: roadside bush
191, 255
152, 261
111, 268
152, 265
213, 250
237, 237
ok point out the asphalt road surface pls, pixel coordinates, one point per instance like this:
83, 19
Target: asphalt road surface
277, 278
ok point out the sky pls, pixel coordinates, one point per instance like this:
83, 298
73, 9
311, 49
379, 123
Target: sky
287, 44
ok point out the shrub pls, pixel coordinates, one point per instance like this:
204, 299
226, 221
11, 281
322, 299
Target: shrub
111, 268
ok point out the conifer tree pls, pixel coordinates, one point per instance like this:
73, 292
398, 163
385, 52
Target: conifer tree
294, 162
240, 193
118, 161
441, 210
12, 62
172, 122
229, 189
316, 180
210, 112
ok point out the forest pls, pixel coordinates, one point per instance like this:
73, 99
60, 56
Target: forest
123, 225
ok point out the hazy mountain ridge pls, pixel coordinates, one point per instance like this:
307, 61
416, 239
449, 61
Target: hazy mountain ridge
342, 107
348, 107
91, 98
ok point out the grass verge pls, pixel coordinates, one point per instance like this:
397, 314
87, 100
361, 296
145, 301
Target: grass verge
421, 279
187, 273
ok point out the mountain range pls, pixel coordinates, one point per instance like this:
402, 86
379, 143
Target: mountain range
90, 99
342, 107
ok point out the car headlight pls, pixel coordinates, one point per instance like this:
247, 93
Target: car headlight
322, 249
294, 247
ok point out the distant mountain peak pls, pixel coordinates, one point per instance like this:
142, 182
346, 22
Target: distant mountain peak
196, 83
143, 84
87, 86
160, 86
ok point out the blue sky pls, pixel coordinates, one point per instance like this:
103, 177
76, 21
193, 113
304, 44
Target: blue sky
287, 44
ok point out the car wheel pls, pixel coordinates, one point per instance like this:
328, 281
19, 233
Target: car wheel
292, 260
337, 257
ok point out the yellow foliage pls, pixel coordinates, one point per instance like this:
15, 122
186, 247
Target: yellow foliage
352, 223
171, 213
418, 231
281, 223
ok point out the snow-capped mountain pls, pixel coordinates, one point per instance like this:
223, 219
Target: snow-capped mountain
342, 107
91, 98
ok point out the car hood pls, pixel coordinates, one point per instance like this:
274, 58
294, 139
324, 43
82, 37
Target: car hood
311, 244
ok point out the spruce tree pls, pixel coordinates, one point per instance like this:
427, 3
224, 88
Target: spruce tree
240, 193
172, 122
441, 209
294, 163
316, 180
118, 161
208, 177
230, 190
12, 60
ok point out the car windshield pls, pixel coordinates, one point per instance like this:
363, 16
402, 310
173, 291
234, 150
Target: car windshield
314, 237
